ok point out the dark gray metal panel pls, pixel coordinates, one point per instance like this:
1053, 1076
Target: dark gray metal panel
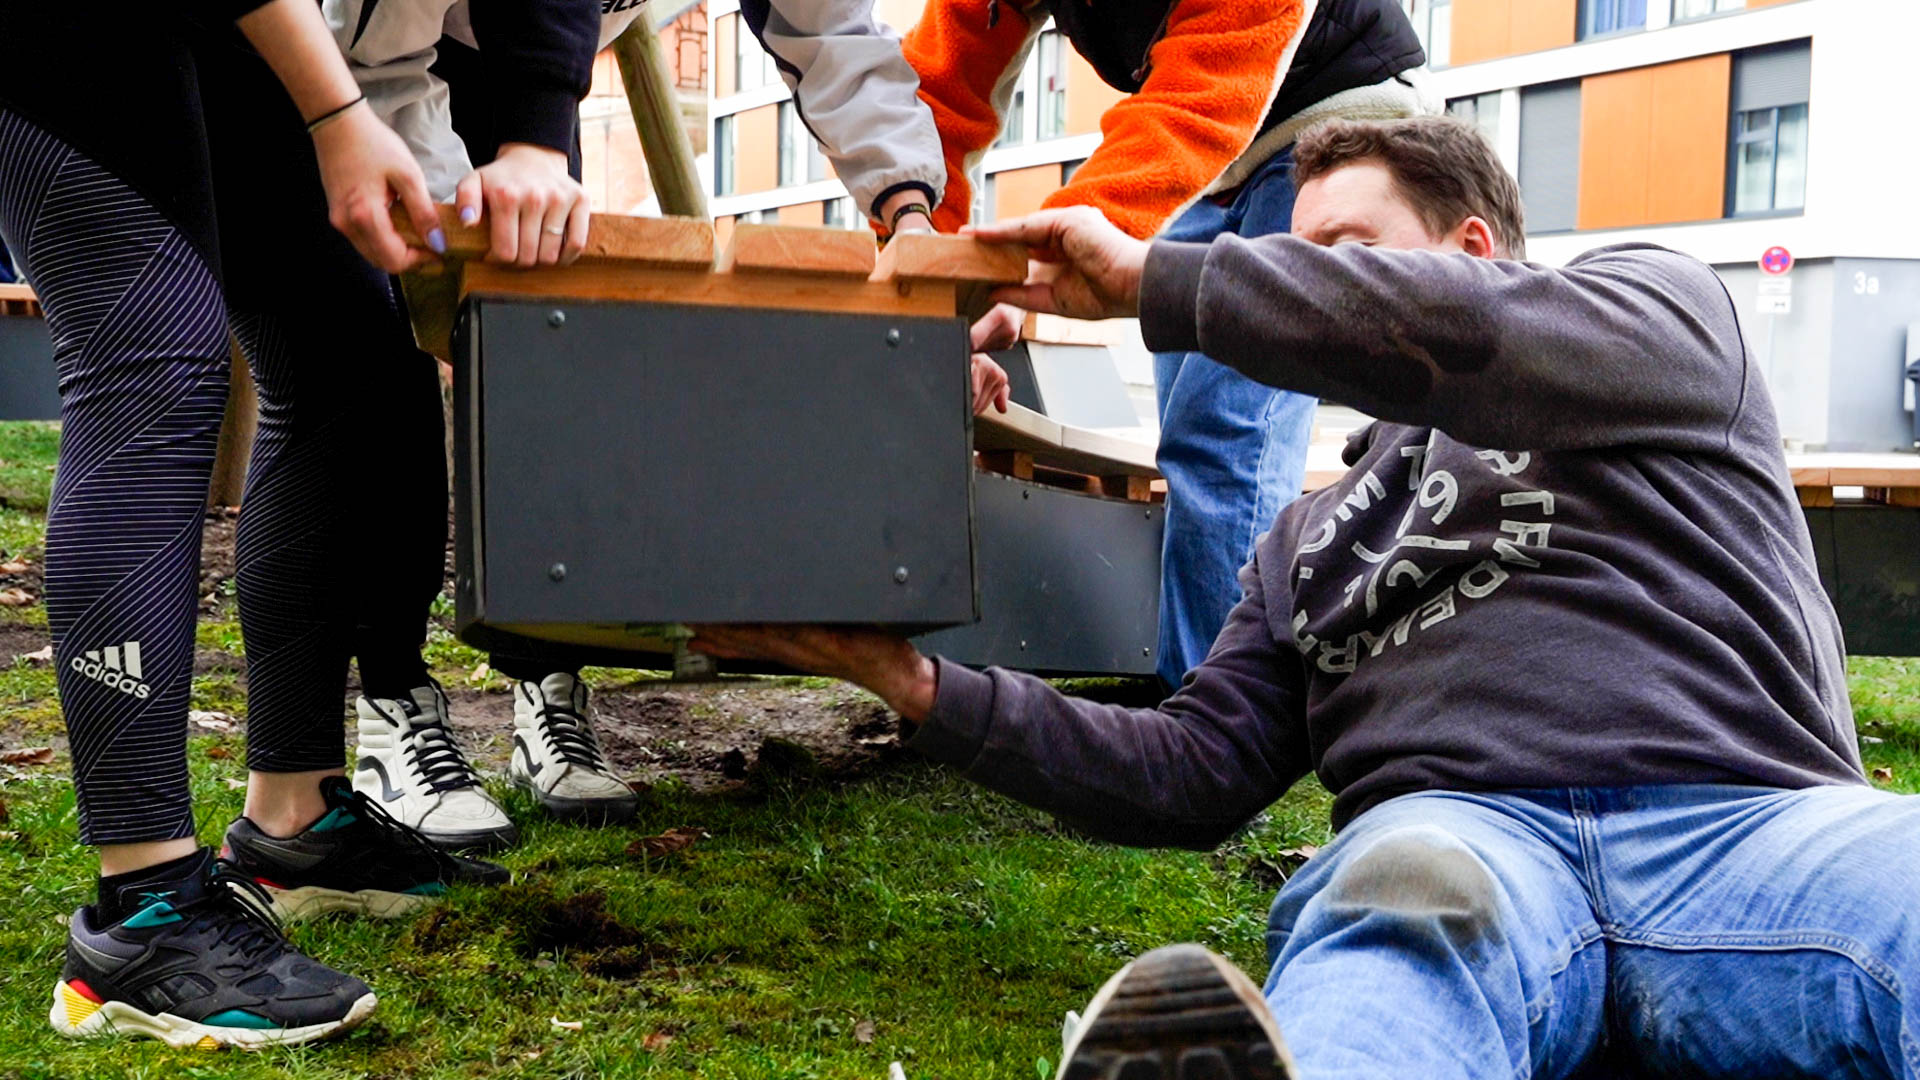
1550, 156
650, 463
1772, 76
1877, 578
1022, 388
1820, 529
29, 385
1069, 583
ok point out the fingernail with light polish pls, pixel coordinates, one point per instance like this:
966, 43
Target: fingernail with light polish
437, 240
469, 215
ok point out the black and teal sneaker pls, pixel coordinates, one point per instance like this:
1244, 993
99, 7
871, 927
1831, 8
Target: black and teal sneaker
199, 964
356, 859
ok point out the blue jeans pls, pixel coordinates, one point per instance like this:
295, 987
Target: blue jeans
1233, 451
1688, 930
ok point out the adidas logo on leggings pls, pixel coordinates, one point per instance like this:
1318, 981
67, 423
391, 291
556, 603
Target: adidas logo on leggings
118, 668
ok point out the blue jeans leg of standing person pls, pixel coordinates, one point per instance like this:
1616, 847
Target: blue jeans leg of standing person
1233, 451
1684, 930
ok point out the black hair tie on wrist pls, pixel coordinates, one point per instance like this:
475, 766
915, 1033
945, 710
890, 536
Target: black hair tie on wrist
326, 118
893, 222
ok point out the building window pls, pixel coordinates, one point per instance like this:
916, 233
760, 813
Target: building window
1068, 168
1053, 85
723, 154
793, 146
1433, 25
1770, 160
838, 214
1482, 111
817, 167
1698, 9
1767, 148
753, 66
1023, 106
983, 214
1601, 17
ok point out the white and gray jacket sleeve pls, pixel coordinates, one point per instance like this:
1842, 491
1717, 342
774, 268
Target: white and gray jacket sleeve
389, 47
857, 94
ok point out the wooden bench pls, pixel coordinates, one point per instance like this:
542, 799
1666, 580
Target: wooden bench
19, 300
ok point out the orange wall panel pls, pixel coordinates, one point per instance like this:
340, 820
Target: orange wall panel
1653, 144
1616, 119
726, 79
806, 213
1538, 25
1482, 30
1020, 191
1688, 145
756, 159
1088, 96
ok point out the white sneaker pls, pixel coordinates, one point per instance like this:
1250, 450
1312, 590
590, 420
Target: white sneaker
557, 757
410, 765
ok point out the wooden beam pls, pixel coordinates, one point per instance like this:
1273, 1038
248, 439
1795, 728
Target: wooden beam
1130, 488
932, 257
1061, 446
656, 115
237, 428
1012, 463
668, 241
800, 250
1814, 496
788, 292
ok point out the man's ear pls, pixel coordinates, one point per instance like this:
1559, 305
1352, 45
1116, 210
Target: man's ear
1475, 237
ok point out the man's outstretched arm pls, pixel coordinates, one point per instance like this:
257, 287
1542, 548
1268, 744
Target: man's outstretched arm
1633, 346
1186, 774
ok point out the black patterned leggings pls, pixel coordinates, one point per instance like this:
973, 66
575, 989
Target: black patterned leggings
342, 528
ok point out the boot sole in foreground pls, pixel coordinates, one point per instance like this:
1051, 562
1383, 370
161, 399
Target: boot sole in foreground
1178, 1013
313, 901
616, 811
78, 1017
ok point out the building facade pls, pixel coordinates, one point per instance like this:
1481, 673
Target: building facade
1722, 128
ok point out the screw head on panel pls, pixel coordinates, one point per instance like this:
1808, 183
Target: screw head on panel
893, 338
558, 571
556, 318
900, 575
1145, 651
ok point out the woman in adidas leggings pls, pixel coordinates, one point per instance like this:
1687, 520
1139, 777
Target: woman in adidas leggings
157, 190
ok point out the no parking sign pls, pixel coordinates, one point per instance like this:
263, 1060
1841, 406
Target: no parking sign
1776, 260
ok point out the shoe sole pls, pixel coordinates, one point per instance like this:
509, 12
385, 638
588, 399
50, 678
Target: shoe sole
313, 901
616, 811
476, 840
1178, 1013
77, 1017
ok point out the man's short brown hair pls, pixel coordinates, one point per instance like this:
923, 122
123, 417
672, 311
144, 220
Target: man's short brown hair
1445, 170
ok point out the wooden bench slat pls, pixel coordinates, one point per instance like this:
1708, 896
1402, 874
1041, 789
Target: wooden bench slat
932, 257
664, 241
799, 249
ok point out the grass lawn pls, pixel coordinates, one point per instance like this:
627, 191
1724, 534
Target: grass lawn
821, 929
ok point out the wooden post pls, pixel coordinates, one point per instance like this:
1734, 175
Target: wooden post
236, 435
656, 113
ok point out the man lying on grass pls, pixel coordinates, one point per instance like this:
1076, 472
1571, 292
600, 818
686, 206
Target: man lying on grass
1555, 642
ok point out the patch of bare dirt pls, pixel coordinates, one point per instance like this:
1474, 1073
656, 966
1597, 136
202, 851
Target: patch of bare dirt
710, 736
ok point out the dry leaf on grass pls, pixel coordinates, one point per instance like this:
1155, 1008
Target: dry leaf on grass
1883, 774
567, 1025
863, 1032
676, 839
9, 834
32, 755
236, 785
219, 753
656, 1042
15, 566
3, 811
16, 598
39, 656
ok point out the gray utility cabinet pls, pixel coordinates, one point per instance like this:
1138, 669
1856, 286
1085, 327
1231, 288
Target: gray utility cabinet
622, 465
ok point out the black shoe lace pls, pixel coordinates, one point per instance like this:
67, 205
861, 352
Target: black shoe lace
433, 753
244, 911
404, 838
571, 736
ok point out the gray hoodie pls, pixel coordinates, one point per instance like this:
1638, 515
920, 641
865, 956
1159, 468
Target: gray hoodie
1568, 555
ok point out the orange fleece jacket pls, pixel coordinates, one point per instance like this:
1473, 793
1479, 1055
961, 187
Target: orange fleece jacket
1213, 73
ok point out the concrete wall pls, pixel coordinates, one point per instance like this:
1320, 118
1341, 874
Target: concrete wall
1874, 300
1798, 358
